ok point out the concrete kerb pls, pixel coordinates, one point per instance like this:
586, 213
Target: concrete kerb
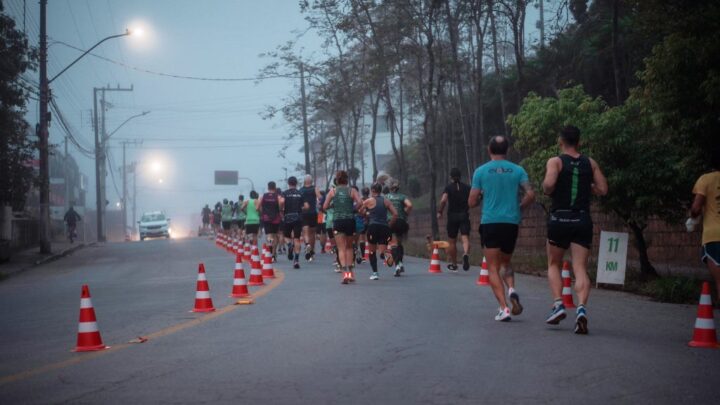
8, 270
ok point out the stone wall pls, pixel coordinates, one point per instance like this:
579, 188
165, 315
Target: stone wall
671, 248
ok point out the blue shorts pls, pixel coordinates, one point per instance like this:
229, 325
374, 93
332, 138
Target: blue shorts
359, 224
711, 251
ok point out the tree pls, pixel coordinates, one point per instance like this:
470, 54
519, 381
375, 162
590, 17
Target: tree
16, 146
645, 173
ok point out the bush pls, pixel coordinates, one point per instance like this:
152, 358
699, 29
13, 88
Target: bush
673, 289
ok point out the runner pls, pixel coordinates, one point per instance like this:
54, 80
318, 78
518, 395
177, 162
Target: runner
455, 197
570, 180
252, 217
240, 216
500, 181
378, 231
310, 215
329, 214
342, 197
205, 218
362, 223
291, 203
226, 216
71, 218
320, 228
270, 215
707, 204
359, 231
399, 227
217, 217
282, 248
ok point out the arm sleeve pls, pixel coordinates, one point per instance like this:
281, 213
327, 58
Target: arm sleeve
476, 180
700, 186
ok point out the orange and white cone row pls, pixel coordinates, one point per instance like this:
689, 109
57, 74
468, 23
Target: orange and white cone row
704, 334
256, 277
203, 302
267, 266
435, 262
567, 296
88, 338
240, 289
484, 277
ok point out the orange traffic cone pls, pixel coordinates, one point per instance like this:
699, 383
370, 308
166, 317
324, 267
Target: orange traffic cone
704, 334
240, 289
435, 262
567, 296
484, 277
88, 338
256, 277
203, 302
366, 254
267, 267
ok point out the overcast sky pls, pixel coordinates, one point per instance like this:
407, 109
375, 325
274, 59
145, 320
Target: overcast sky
194, 126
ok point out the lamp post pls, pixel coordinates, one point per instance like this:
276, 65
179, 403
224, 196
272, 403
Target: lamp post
42, 129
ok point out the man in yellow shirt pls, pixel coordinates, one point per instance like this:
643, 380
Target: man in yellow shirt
707, 204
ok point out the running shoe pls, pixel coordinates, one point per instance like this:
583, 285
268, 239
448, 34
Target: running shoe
517, 308
296, 264
452, 267
290, 253
345, 279
556, 315
274, 258
398, 270
402, 267
337, 269
581, 322
308, 254
358, 259
374, 276
503, 315
466, 262
312, 256
351, 277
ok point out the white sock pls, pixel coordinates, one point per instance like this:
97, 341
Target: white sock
511, 290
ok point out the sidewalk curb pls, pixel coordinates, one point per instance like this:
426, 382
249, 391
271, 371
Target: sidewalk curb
48, 259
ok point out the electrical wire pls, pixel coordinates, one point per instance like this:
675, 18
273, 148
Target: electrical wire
176, 76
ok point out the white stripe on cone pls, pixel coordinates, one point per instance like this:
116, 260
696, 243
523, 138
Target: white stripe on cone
704, 323
85, 303
239, 281
201, 277
87, 327
202, 294
705, 300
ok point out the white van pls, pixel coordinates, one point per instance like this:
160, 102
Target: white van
154, 224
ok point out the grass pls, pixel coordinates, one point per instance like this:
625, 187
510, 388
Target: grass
670, 289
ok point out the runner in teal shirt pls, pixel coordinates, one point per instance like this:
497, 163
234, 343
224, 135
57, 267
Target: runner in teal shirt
500, 181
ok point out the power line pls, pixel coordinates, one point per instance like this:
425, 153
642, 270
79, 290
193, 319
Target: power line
175, 76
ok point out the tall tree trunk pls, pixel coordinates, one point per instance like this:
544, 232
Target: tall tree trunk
617, 67
647, 270
375, 104
496, 62
467, 142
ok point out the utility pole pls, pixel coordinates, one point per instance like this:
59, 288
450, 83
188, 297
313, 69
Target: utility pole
43, 136
542, 24
100, 157
66, 172
306, 136
134, 209
124, 177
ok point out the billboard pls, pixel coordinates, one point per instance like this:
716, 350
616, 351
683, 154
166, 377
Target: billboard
226, 177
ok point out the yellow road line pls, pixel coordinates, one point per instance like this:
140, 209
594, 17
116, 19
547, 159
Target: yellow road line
280, 276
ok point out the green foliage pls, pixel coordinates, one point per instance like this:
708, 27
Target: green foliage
16, 148
673, 289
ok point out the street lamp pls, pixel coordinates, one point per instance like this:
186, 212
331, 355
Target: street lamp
42, 130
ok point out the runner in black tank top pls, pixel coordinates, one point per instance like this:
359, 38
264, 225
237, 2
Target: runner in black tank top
291, 203
270, 217
455, 197
378, 232
570, 180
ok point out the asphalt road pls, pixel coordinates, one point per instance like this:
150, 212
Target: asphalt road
421, 338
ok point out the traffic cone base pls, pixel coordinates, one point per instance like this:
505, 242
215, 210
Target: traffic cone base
704, 334
567, 295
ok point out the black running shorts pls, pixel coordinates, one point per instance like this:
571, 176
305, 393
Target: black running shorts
344, 226
310, 219
330, 233
226, 225
252, 229
399, 228
271, 228
378, 234
501, 236
458, 222
293, 229
566, 227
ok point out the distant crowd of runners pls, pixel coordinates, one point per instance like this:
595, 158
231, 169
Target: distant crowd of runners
349, 220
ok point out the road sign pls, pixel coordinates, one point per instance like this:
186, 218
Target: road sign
226, 177
612, 257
